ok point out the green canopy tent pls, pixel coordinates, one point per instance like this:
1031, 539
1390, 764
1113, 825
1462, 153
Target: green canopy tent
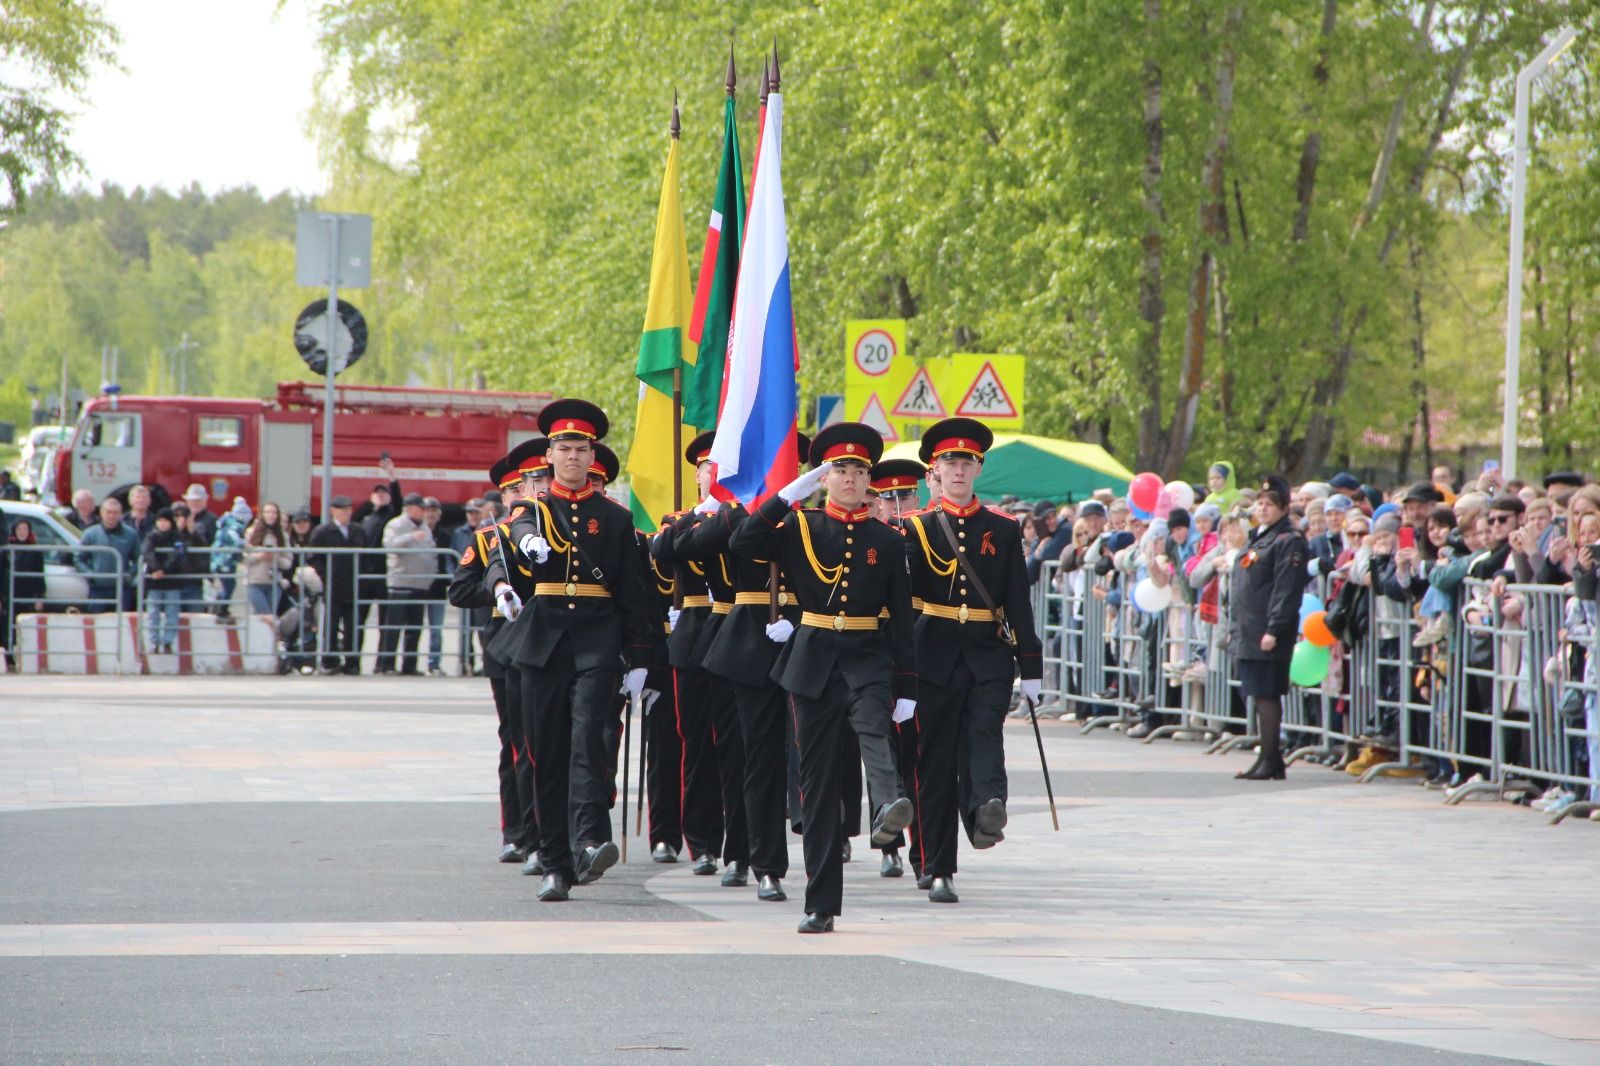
1039, 468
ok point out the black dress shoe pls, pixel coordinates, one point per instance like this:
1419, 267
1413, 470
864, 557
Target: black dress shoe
705, 865
924, 881
554, 889
511, 853
940, 890
988, 825
735, 875
533, 866
664, 853
890, 819
594, 861
844, 851
817, 923
771, 890
891, 864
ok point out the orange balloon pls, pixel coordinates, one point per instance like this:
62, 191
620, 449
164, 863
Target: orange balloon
1317, 631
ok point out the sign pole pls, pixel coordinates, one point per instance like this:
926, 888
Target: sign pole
332, 367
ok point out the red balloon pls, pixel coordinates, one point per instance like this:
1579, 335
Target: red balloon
1145, 491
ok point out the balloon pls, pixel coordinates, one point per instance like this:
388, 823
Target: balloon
1144, 490
1182, 494
1309, 605
1139, 512
1163, 504
1317, 631
1309, 665
1150, 597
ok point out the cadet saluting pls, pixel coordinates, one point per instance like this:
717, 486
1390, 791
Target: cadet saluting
590, 606
840, 668
975, 631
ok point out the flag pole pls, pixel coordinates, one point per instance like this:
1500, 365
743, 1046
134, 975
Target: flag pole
677, 380
769, 85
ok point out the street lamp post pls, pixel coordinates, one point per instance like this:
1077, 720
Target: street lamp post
1519, 194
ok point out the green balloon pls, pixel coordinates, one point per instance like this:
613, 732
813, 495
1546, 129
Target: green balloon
1310, 664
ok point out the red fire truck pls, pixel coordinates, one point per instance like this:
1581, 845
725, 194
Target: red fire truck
442, 442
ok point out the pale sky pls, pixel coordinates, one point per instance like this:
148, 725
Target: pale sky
214, 91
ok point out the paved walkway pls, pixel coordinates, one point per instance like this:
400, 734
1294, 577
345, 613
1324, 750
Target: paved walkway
164, 820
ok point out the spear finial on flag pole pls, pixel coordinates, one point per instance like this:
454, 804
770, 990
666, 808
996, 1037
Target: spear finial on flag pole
775, 81
733, 75
766, 80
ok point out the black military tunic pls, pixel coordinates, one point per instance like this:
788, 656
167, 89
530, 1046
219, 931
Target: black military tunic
742, 654
591, 607
699, 697
844, 666
965, 666
664, 761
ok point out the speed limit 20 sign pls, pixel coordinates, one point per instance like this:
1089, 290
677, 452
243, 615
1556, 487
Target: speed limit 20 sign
874, 352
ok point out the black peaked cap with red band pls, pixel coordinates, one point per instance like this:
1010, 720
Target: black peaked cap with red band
844, 441
699, 449
956, 436
573, 418
502, 474
526, 458
897, 475
605, 463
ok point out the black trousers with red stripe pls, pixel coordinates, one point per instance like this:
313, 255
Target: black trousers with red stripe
664, 762
960, 761
698, 696
574, 715
519, 823
728, 737
821, 727
761, 727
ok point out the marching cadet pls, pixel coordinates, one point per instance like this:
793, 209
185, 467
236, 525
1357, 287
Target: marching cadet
742, 653
725, 735
843, 666
974, 633
664, 750
894, 488
519, 827
590, 607
702, 700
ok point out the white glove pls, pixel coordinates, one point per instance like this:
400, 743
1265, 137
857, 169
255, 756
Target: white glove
903, 710
709, 505
535, 548
804, 485
1030, 689
633, 681
672, 617
780, 631
1314, 567
510, 604
647, 699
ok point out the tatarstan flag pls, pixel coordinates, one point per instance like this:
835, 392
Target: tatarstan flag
719, 273
663, 349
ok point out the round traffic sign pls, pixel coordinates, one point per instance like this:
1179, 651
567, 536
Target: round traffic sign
311, 336
874, 352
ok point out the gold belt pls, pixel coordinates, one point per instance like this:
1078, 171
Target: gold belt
761, 599
666, 627
717, 607
697, 601
958, 614
838, 622
570, 588
916, 603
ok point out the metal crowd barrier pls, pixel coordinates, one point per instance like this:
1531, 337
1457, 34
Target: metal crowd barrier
301, 613
1498, 700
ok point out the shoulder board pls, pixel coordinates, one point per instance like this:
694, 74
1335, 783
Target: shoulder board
1002, 514
485, 530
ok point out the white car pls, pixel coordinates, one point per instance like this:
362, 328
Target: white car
63, 585
38, 449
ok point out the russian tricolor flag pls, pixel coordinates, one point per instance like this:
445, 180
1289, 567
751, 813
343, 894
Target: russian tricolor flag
755, 448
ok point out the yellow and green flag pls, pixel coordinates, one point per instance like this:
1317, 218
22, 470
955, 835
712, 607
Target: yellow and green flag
663, 349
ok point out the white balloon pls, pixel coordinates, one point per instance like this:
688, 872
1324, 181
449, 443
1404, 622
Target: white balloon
1182, 494
1150, 597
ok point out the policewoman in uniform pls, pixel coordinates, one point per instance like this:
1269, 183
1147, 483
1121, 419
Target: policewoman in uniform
519, 827
845, 666
974, 634
590, 608
1268, 579
743, 653
894, 492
